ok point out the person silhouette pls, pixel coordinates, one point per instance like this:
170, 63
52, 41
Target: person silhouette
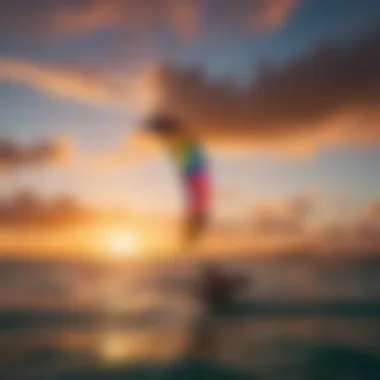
217, 293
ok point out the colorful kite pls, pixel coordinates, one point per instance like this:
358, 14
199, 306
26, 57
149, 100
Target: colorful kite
191, 161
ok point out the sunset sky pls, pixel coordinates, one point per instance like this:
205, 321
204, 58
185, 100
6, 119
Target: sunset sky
284, 95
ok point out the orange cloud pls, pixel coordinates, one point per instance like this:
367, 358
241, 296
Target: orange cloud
287, 218
13, 156
290, 227
27, 209
356, 238
372, 213
281, 227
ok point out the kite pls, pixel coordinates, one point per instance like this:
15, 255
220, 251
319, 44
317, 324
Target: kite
189, 156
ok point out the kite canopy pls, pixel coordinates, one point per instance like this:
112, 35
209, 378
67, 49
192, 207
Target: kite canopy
190, 159
164, 124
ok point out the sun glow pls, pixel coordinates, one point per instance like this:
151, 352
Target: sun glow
120, 243
114, 348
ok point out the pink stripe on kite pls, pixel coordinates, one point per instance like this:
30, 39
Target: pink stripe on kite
198, 193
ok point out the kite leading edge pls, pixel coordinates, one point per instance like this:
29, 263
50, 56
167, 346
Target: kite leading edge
191, 161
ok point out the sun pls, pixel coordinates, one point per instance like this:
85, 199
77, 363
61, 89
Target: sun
120, 243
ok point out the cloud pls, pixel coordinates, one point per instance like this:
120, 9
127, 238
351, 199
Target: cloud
295, 226
292, 222
77, 83
329, 97
137, 148
21, 18
287, 218
271, 15
182, 16
280, 227
358, 237
373, 213
133, 92
29, 209
14, 156
185, 18
87, 17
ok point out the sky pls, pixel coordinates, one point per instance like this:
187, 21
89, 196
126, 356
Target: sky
283, 95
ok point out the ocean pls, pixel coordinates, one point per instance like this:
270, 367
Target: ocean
297, 319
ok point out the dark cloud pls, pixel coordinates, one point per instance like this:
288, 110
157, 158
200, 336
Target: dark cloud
331, 95
20, 18
14, 156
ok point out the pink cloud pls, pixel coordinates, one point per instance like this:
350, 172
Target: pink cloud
270, 14
186, 18
181, 16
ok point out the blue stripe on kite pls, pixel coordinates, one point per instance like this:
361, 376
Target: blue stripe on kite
195, 159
